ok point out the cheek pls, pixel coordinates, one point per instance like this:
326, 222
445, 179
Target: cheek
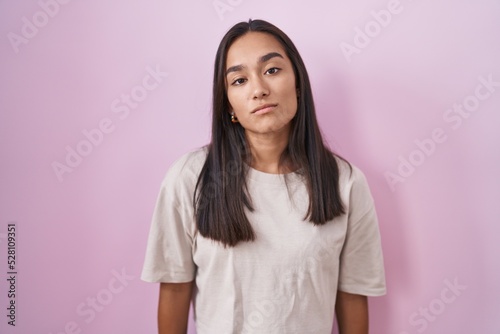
286, 88
290, 97
235, 101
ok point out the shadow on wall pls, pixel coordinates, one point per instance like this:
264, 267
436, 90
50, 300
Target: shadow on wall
334, 110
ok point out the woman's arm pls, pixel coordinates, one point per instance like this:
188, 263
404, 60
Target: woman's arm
173, 307
352, 313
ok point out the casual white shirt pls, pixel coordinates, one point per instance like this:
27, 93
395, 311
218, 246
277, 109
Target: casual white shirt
286, 281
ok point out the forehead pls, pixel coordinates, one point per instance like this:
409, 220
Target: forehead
250, 47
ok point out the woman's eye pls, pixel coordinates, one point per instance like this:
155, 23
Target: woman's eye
238, 82
272, 70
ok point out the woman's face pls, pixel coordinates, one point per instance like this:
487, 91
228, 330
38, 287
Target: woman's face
261, 84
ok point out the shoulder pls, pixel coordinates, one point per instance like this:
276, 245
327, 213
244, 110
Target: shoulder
184, 171
354, 187
190, 162
349, 173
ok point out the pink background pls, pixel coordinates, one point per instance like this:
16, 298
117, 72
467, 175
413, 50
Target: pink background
76, 232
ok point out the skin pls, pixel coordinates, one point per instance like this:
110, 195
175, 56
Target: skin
173, 307
352, 313
251, 82
259, 73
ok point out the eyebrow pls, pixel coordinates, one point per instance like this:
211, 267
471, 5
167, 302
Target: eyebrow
262, 59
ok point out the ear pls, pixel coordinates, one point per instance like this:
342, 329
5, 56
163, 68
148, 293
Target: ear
298, 92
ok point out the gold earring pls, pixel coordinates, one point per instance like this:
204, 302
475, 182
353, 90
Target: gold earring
234, 119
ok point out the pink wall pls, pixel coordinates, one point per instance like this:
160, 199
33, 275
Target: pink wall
385, 102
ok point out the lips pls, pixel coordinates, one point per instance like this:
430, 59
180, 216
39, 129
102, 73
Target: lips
264, 108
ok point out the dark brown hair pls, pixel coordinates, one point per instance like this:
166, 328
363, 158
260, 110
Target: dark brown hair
221, 194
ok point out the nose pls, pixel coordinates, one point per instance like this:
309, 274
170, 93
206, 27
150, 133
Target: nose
260, 89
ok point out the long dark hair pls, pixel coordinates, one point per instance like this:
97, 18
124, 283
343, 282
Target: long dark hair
221, 194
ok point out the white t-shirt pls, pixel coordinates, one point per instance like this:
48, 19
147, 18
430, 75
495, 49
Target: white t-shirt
286, 281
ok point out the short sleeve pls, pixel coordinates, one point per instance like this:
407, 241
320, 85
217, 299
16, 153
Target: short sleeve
169, 252
361, 259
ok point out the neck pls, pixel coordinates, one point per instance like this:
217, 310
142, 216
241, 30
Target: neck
266, 151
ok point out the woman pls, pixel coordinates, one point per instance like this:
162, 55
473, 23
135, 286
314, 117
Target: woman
265, 228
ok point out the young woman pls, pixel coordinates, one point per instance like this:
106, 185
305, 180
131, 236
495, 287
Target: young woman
265, 229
